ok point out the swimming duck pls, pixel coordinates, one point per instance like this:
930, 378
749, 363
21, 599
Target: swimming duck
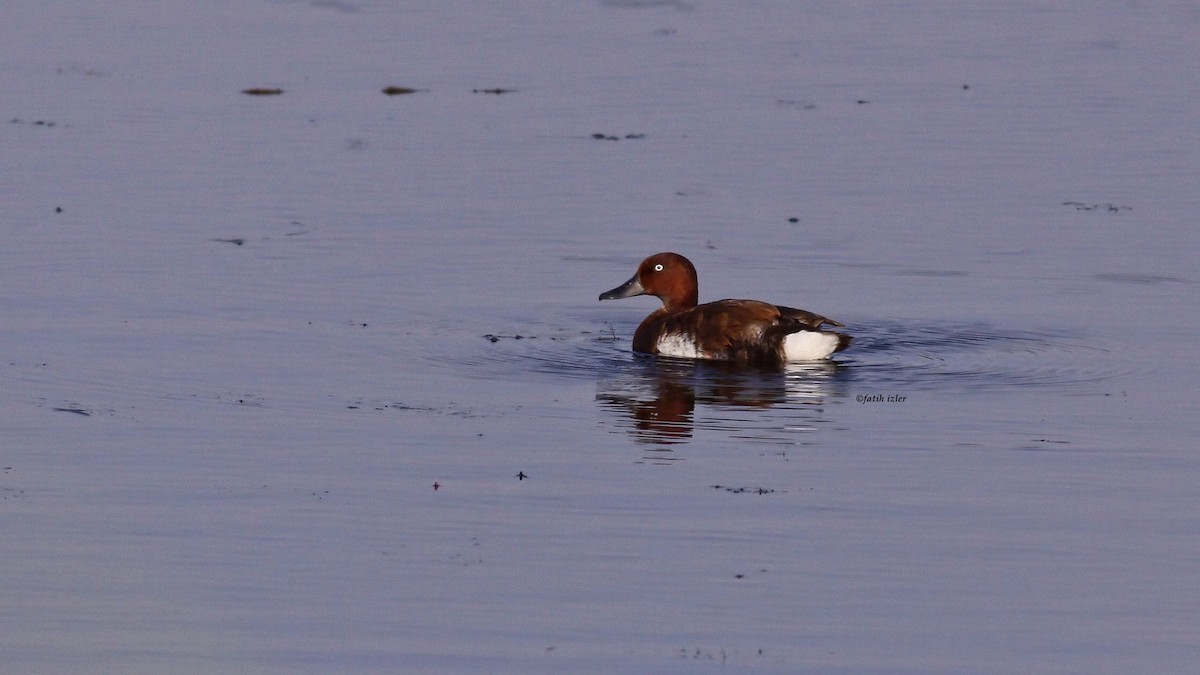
742, 331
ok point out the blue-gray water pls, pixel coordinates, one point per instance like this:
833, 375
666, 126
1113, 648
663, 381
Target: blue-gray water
245, 336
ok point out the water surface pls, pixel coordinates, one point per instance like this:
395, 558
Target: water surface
317, 381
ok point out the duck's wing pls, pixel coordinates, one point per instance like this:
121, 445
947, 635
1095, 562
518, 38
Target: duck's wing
748, 317
807, 320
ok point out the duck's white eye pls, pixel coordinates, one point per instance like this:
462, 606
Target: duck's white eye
658, 267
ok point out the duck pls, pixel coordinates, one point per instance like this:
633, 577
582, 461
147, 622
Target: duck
748, 332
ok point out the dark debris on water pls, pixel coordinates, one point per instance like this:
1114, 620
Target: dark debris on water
611, 137
744, 490
496, 338
1108, 207
490, 337
77, 411
35, 123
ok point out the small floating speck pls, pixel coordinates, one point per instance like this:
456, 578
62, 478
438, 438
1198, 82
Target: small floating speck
803, 105
262, 91
399, 91
495, 90
236, 242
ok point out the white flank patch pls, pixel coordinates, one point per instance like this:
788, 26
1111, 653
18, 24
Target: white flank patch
678, 345
808, 345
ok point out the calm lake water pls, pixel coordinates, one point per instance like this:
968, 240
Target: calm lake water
317, 381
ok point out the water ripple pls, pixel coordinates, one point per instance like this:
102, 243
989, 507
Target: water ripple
921, 355
959, 356
664, 401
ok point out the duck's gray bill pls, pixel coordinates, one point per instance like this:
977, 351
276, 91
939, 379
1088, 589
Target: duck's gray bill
626, 290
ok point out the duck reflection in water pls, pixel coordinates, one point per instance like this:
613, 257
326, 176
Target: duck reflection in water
659, 397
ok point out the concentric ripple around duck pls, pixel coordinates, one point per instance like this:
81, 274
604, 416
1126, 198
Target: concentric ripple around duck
661, 402
916, 355
962, 356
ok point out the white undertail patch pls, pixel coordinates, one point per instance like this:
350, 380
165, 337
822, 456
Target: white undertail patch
809, 345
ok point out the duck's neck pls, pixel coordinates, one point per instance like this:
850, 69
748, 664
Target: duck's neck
678, 302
